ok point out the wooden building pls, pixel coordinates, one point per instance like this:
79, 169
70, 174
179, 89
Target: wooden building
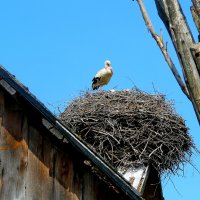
41, 160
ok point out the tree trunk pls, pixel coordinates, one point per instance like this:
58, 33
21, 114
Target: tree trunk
187, 50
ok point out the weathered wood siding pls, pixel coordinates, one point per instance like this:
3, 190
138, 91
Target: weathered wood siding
34, 165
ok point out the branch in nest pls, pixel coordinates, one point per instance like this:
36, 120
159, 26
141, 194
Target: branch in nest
130, 128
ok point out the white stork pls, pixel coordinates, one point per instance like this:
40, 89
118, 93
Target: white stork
103, 76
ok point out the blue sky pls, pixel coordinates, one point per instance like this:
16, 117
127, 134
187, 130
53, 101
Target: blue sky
56, 47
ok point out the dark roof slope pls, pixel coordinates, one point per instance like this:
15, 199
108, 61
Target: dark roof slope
14, 87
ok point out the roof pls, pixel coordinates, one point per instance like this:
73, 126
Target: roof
14, 87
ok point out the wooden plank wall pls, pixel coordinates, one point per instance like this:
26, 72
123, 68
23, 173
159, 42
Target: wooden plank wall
34, 166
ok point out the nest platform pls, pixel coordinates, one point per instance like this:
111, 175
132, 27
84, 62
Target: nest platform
129, 128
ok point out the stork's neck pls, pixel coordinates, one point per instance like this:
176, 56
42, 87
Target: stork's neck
109, 68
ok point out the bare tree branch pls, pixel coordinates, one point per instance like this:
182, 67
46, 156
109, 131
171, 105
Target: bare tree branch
196, 4
195, 17
162, 47
195, 10
187, 51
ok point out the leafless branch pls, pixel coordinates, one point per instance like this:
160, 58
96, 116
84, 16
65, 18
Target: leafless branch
162, 47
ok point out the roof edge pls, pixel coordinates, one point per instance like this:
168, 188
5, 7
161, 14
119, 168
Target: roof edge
113, 175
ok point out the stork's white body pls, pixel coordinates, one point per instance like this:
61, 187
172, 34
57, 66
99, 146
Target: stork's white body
103, 76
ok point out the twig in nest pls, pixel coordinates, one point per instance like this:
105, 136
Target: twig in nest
129, 128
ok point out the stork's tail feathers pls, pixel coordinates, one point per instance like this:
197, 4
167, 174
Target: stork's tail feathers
95, 83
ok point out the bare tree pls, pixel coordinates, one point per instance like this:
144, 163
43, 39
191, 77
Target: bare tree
188, 51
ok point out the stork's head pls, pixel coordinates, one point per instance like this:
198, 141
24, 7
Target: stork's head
107, 63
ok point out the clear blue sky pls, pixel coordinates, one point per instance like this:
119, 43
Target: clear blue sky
56, 47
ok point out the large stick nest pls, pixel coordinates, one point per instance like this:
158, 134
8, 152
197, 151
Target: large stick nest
129, 128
